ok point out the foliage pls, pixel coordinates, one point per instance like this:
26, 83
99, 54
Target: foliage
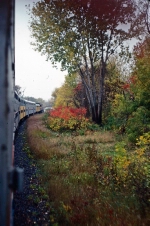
133, 169
138, 123
130, 109
93, 179
80, 98
82, 35
64, 96
67, 118
113, 86
54, 95
71, 93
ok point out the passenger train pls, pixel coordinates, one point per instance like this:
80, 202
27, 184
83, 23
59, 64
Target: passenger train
13, 109
24, 108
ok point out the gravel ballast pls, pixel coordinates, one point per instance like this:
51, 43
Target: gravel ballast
29, 206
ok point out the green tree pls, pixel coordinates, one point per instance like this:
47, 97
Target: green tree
131, 108
82, 35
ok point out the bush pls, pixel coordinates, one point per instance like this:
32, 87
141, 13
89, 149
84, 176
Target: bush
67, 118
138, 123
132, 170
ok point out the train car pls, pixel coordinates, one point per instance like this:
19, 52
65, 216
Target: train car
22, 109
30, 107
39, 108
27, 108
7, 76
16, 111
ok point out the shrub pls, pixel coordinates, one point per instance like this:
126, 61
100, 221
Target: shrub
67, 118
132, 170
88, 180
138, 123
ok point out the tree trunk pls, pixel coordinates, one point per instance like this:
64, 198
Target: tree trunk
101, 92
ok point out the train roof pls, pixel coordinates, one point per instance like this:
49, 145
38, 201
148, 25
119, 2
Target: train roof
38, 104
22, 99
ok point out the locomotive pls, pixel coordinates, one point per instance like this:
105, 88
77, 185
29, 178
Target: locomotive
13, 109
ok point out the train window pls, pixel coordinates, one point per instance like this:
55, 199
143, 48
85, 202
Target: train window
16, 96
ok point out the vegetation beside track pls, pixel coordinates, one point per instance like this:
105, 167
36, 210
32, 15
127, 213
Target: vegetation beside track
91, 179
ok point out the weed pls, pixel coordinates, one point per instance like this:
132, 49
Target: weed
91, 179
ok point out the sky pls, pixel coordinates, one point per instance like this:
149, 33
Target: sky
33, 73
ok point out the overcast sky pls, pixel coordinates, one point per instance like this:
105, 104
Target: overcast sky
33, 73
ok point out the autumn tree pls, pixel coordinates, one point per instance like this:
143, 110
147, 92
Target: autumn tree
64, 96
80, 99
131, 108
142, 73
82, 35
68, 94
54, 96
114, 81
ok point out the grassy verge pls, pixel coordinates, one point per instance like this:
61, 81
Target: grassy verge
80, 176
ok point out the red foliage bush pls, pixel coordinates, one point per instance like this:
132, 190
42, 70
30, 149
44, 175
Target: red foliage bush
67, 112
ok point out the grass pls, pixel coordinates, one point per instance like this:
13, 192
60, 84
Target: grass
79, 178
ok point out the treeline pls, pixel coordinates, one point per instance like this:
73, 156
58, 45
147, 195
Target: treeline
126, 107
